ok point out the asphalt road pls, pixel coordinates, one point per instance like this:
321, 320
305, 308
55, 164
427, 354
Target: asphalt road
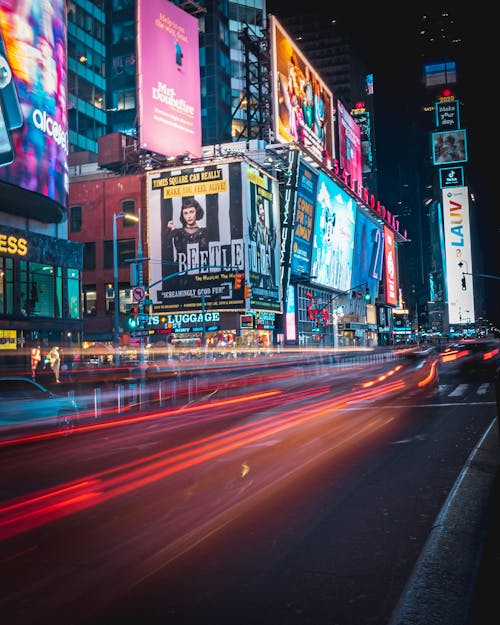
322, 522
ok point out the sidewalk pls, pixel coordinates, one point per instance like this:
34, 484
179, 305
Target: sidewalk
456, 578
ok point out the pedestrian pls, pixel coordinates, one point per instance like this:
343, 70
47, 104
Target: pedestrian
36, 357
55, 362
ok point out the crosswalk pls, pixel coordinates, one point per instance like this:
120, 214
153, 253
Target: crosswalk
462, 390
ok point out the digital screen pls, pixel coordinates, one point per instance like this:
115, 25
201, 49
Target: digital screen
33, 80
168, 79
449, 147
350, 156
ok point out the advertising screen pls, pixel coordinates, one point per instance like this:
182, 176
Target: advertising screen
449, 147
333, 239
458, 255
302, 102
33, 107
168, 80
307, 181
390, 268
369, 252
206, 224
350, 157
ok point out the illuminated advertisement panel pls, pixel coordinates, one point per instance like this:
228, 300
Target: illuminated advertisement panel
368, 254
390, 268
449, 147
263, 222
302, 102
350, 157
168, 79
307, 181
333, 239
33, 106
205, 225
458, 255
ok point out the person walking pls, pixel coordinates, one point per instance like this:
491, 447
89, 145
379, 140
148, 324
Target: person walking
55, 362
36, 357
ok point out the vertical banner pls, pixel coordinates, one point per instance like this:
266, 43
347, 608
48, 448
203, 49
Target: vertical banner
458, 255
195, 233
390, 268
307, 183
263, 222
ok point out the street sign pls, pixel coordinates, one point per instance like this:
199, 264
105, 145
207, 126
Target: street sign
138, 293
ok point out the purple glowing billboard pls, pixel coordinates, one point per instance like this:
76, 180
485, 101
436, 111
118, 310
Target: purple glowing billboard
350, 158
168, 79
302, 102
33, 107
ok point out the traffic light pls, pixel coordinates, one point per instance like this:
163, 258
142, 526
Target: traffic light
368, 297
238, 280
464, 284
132, 320
248, 291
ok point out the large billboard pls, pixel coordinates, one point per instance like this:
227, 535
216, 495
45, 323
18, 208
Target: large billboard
368, 258
206, 224
33, 108
168, 79
333, 239
303, 110
350, 157
458, 255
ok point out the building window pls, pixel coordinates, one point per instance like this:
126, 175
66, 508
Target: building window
126, 250
75, 219
128, 206
89, 255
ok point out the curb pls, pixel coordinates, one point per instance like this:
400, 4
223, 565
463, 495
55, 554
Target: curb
441, 587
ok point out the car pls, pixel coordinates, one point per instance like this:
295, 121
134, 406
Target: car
25, 404
474, 357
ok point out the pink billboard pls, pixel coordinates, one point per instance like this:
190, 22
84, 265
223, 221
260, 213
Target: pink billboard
168, 80
390, 268
33, 107
350, 157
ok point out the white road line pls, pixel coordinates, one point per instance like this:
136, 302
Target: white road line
460, 390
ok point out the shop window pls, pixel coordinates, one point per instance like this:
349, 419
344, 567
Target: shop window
74, 294
89, 300
37, 290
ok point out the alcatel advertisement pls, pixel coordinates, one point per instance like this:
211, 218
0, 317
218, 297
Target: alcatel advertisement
168, 79
33, 109
333, 240
390, 268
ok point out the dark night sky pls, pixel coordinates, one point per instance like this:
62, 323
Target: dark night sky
389, 49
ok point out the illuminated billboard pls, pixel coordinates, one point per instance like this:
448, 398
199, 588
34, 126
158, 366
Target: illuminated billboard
168, 79
33, 109
303, 110
350, 157
449, 147
307, 181
333, 239
206, 224
458, 255
368, 256
390, 268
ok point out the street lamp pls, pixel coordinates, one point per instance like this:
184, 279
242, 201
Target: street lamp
116, 293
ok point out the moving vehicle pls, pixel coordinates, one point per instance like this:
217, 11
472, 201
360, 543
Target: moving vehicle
26, 404
474, 357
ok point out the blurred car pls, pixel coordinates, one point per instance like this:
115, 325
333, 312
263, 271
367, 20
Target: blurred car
474, 357
24, 404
